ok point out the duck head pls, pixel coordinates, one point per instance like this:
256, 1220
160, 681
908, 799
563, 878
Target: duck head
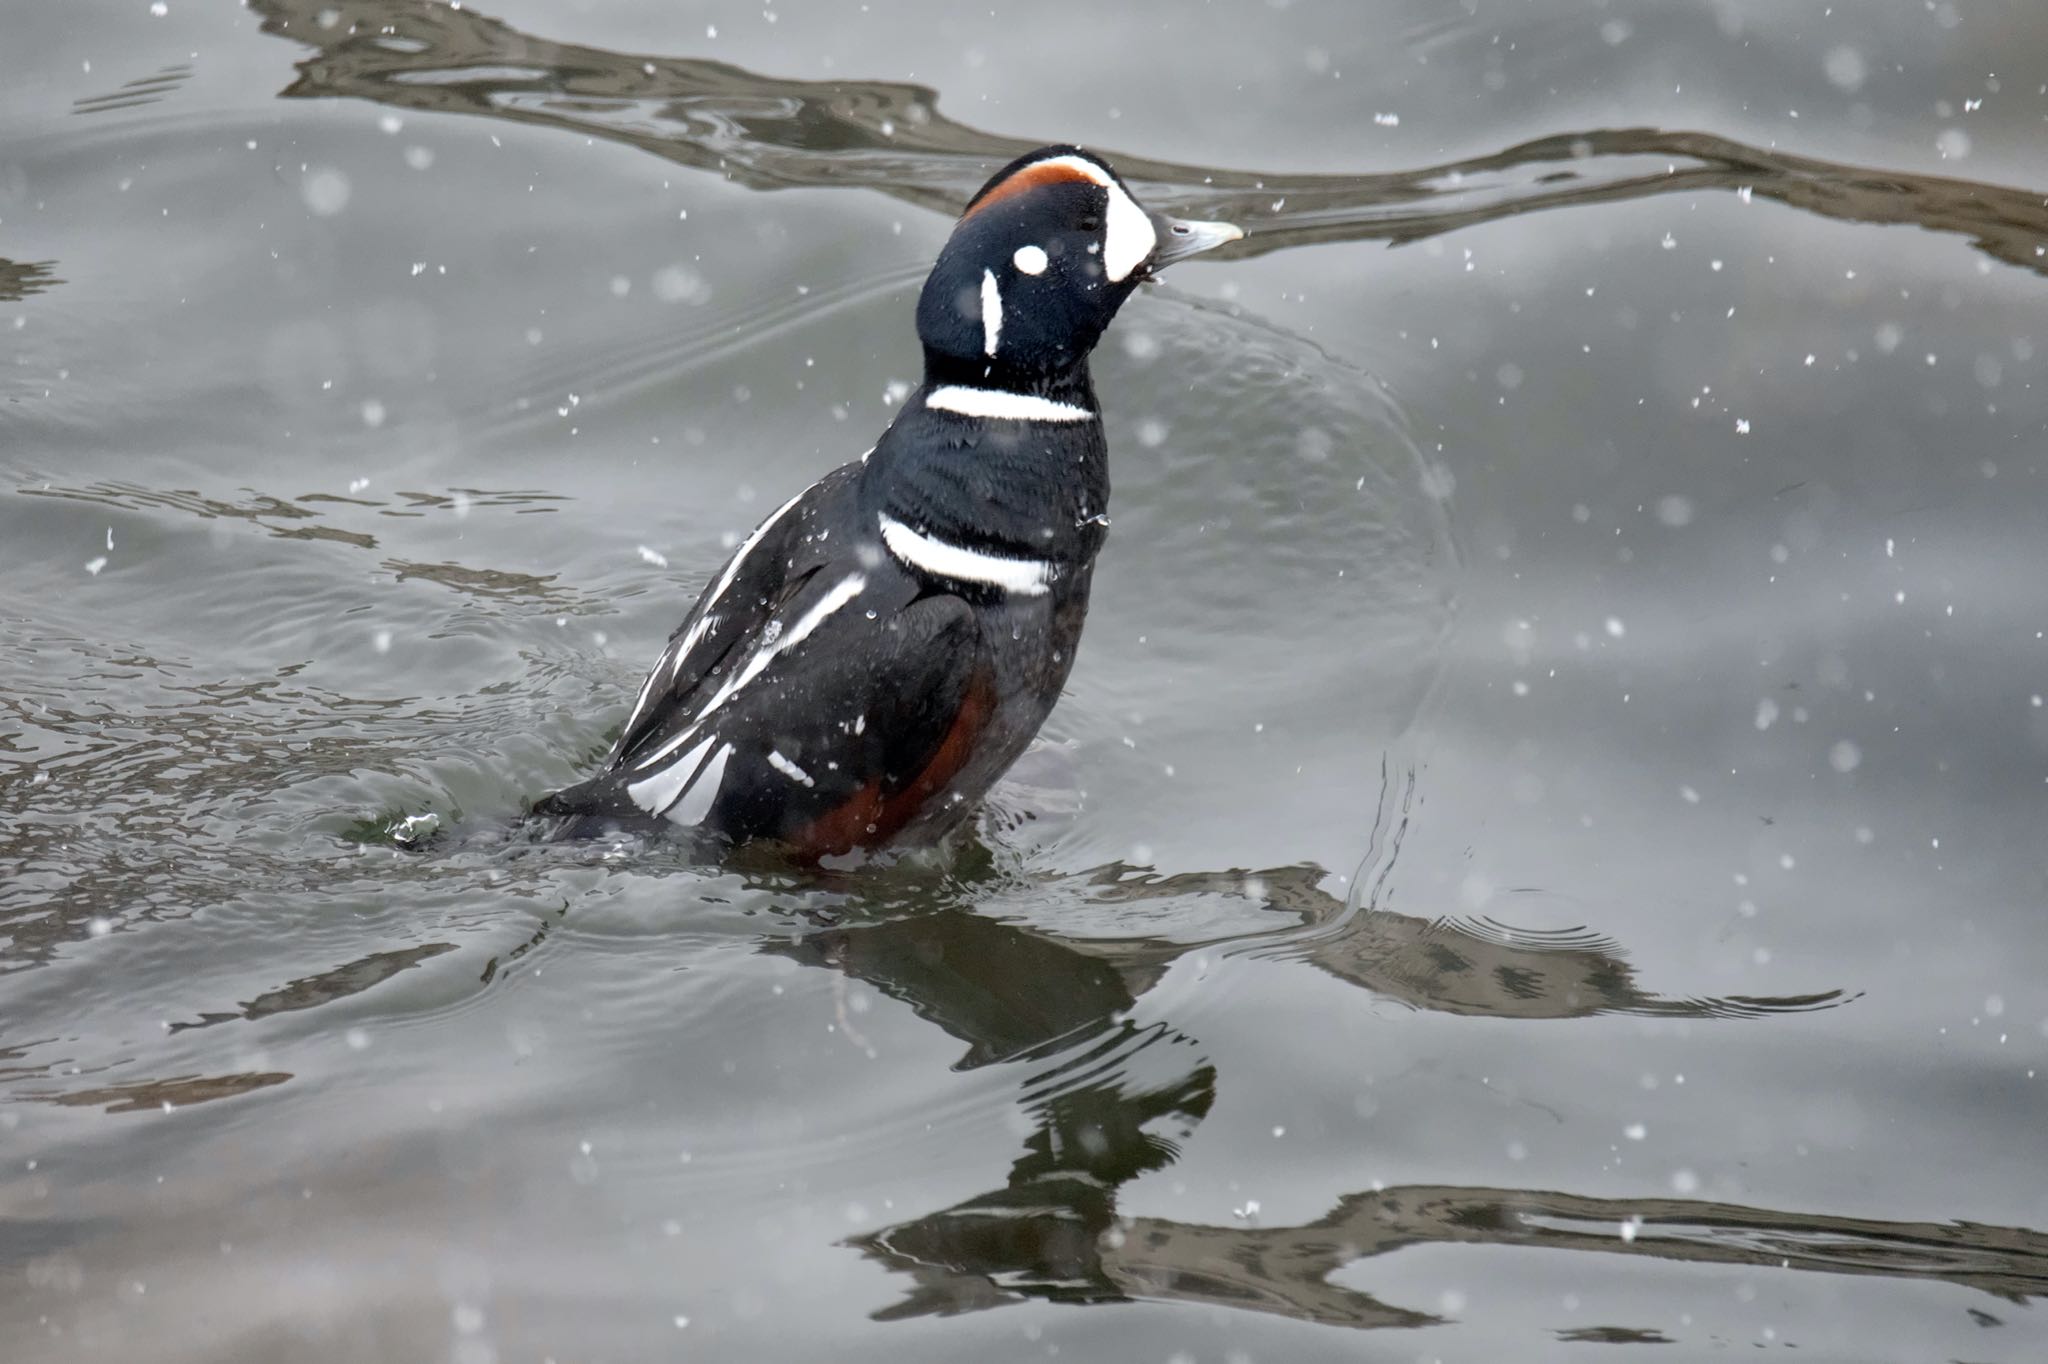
1038, 264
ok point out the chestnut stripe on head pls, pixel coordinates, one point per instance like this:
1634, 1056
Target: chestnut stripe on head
1053, 170
1128, 236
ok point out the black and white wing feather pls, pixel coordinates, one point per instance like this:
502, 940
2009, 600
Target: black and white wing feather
777, 668
739, 605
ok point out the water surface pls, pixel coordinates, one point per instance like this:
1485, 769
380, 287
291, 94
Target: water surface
1539, 858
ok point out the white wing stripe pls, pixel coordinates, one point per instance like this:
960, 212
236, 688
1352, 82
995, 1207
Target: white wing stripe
747, 547
646, 694
696, 802
672, 660
656, 793
682, 651
673, 743
845, 591
1004, 406
1027, 577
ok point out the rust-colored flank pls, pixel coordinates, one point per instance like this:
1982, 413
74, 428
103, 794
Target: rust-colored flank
869, 818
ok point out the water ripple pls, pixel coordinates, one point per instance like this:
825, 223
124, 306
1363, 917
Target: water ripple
772, 133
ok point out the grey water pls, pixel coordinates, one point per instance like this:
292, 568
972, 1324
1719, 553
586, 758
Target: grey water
1540, 857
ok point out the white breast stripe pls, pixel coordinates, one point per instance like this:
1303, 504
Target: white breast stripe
656, 793
994, 402
991, 312
1027, 577
789, 769
696, 802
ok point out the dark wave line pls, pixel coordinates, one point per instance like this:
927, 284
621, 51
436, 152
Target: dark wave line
19, 279
143, 90
770, 133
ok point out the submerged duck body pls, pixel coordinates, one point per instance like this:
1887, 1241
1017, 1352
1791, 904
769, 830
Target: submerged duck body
881, 649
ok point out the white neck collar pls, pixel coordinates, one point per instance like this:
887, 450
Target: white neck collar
1003, 405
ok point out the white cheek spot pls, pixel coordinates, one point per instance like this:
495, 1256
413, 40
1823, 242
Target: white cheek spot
991, 312
1030, 259
1128, 237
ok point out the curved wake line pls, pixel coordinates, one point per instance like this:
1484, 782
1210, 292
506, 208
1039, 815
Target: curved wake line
769, 133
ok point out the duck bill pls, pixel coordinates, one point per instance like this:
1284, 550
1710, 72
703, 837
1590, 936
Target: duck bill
1179, 239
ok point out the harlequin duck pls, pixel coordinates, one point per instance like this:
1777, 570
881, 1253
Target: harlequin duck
887, 642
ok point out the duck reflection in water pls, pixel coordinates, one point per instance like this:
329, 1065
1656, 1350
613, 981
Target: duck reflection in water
1111, 1098
770, 132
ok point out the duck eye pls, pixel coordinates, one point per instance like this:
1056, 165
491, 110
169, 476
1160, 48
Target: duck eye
1091, 224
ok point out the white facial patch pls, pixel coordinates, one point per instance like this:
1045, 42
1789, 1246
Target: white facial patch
1030, 259
1026, 577
1128, 236
991, 312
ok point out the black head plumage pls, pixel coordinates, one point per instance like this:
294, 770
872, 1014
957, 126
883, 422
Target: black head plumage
1037, 266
